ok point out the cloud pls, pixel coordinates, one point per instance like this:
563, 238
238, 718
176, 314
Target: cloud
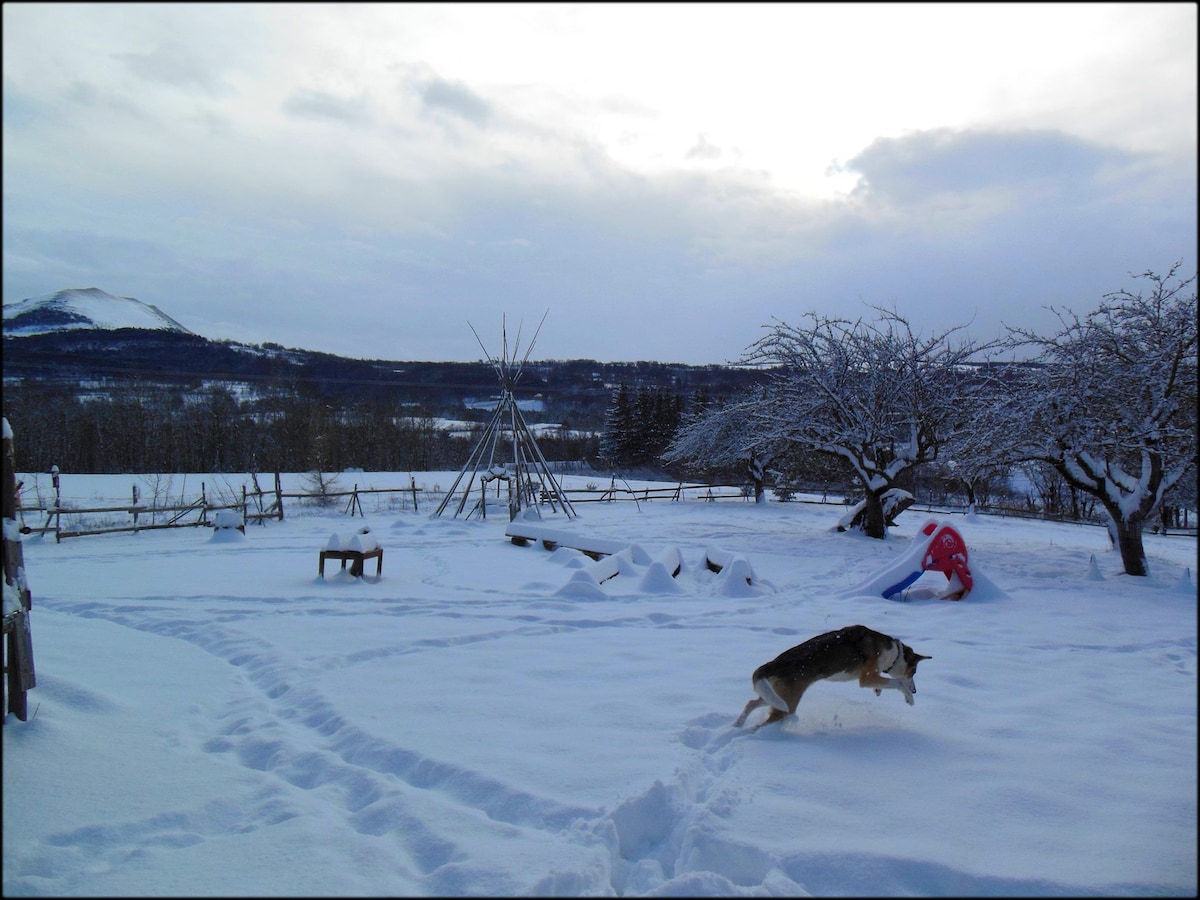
305, 103
703, 149
455, 98
172, 64
947, 161
685, 267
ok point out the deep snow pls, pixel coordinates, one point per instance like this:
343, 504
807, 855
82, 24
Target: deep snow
212, 718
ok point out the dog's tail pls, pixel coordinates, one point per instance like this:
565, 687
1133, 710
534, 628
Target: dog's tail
762, 687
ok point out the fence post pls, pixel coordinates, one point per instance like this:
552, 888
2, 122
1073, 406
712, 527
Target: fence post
355, 503
279, 496
17, 632
412, 483
50, 514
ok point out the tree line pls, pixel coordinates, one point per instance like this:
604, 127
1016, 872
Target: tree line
142, 429
1105, 406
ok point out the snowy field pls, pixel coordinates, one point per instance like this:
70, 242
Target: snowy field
486, 719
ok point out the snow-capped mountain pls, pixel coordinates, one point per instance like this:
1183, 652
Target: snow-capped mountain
78, 308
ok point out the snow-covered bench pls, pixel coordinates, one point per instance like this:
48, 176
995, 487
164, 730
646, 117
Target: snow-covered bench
356, 550
733, 564
522, 531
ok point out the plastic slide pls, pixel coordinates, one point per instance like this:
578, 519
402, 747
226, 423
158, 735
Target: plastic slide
935, 548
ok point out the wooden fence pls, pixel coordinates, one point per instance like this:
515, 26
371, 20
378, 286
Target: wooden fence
65, 520
143, 517
258, 505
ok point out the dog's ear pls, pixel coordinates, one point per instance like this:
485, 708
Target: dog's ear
920, 657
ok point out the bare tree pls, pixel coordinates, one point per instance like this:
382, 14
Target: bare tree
1112, 407
872, 393
721, 438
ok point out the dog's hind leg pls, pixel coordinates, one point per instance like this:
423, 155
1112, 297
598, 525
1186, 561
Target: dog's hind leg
782, 696
750, 707
775, 716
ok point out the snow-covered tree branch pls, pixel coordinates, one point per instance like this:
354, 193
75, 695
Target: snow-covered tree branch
723, 437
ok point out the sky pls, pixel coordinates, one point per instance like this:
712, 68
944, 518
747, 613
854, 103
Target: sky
481, 719
661, 182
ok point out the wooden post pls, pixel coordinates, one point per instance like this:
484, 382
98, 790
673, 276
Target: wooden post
57, 505
355, 503
279, 496
412, 483
18, 636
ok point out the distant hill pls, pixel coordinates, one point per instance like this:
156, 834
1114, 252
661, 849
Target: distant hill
84, 308
89, 343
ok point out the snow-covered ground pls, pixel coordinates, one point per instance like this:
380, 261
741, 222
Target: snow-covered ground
482, 719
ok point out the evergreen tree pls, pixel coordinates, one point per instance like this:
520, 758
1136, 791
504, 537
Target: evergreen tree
618, 428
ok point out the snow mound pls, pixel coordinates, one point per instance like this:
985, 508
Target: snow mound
1184, 585
227, 527
581, 586
657, 580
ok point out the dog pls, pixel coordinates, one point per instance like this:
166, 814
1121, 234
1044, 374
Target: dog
842, 655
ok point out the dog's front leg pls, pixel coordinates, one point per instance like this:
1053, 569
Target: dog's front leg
899, 684
879, 682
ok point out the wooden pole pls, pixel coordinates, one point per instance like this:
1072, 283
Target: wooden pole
18, 635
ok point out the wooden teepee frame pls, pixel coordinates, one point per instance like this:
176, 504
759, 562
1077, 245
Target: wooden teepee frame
526, 460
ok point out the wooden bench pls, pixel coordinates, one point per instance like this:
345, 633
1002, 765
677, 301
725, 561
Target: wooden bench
356, 558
